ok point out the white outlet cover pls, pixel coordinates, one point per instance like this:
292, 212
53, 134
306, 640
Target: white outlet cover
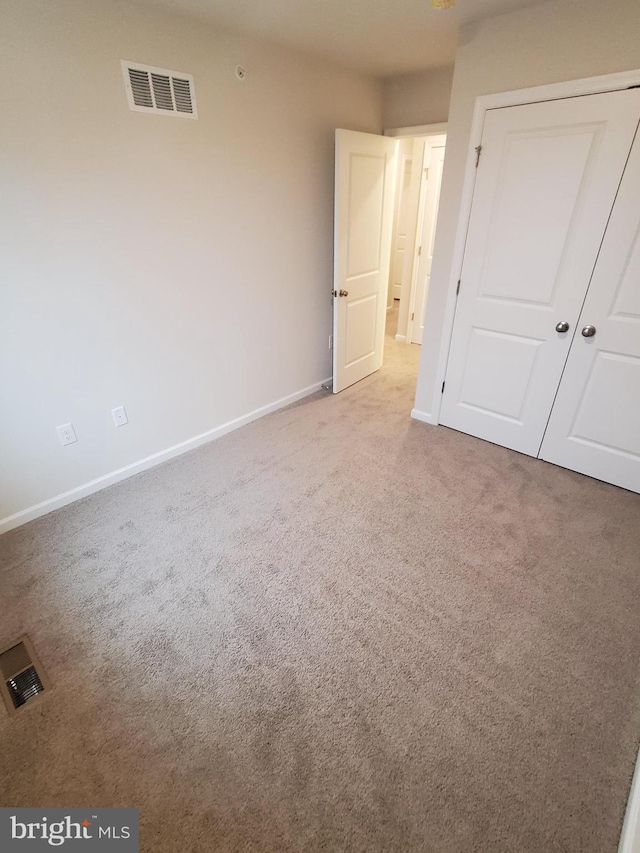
119, 416
66, 434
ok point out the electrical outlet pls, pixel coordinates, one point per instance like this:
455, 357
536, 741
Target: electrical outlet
330, 341
119, 416
67, 434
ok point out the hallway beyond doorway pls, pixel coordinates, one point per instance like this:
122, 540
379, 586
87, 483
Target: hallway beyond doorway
400, 358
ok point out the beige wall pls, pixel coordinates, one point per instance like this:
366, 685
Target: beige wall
555, 41
414, 99
180, 268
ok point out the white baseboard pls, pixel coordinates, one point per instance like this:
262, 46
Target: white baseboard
630, 837
401, 338
72, 495
425, 417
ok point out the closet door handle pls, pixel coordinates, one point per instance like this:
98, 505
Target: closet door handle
588, 331
562, 326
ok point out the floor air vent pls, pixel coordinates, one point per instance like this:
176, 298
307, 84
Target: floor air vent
23, 678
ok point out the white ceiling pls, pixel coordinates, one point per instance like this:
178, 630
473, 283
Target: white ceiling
380, 37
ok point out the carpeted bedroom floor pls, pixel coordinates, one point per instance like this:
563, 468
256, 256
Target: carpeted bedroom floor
336, 629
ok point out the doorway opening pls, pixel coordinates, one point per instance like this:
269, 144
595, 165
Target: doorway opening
386, 203
420, 162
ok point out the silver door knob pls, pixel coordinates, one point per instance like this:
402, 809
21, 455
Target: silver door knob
562, 326
588, 331
344, 292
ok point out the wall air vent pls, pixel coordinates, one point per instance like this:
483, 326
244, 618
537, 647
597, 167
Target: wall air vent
23, 679
156, 90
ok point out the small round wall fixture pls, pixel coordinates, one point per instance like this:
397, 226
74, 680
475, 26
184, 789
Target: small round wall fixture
442, 4
240, 72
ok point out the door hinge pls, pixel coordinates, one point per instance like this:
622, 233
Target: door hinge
426, 173
413, 316
458, 287
442, 392
478, 153
419, 250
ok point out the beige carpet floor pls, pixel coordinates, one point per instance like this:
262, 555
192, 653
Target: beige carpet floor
336, 629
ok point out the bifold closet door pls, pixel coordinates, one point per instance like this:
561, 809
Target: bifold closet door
595, 422
546, 182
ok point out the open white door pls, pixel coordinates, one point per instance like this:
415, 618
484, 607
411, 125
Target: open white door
364, 195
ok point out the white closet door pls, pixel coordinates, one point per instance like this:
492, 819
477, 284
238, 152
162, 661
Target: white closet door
546, 183
595, 422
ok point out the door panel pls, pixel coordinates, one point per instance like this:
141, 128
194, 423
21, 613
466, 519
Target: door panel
517, 270
364, 195
546, 183
493, 353
595, 423
361, 328
366, 188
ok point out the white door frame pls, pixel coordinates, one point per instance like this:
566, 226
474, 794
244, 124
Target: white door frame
630, 836
550, 92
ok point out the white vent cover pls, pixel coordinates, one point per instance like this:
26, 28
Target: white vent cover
156, 90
